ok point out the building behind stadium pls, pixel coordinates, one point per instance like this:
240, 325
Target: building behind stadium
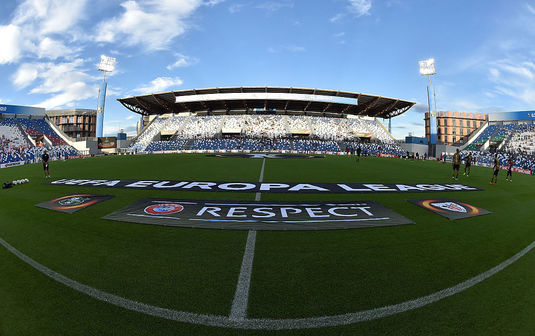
454, 127
75, 123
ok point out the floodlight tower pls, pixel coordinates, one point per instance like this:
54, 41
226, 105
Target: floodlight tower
427, 68
107, 64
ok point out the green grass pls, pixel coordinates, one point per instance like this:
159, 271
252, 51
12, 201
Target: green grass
295, 274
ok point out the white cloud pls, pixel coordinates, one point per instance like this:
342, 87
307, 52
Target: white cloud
339, 37
25, 75
295, 48
76, 91
213, 2
57, 77
64, 83
9, 40
514, 78
273, 6
52, 49
159, 84
337, 17
360, 7
235, 8
182, 61
152, 24
39, 28
356, 7
289, 48
48, 36
50, 16
530, 8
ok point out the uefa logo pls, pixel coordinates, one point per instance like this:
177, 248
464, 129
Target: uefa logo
163, 209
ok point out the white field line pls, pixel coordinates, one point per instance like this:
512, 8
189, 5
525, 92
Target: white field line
261, 179
238, 312
266, 324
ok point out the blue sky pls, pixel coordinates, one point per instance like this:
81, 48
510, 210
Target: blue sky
484, 51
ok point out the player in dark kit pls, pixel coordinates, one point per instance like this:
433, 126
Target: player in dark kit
496, 168
456, 164
467, 164
45, 158
509, 176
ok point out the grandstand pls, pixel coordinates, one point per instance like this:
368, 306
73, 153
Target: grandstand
300, 133
293, 119
24, 140
505, 132
479, 142
522, 140
511, 135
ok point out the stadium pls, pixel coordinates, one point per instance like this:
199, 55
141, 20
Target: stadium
264, 210
262, 119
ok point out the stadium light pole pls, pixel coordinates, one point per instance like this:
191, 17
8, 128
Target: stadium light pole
427, 68
107, 64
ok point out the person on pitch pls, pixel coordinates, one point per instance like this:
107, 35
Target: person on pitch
467, 164
456, 164
509, 176
45, 158
496, 168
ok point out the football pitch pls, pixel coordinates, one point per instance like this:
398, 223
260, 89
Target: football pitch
79, 274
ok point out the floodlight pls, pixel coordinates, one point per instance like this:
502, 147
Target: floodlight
427, 67
107, 64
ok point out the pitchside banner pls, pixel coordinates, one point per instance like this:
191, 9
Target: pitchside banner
450, 208
73, 203
266, 187
266, 156
256, 215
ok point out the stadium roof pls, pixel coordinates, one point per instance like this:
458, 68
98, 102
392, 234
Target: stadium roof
282, 100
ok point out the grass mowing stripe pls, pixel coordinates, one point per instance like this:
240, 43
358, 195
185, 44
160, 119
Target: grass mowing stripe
241, 297
267, 324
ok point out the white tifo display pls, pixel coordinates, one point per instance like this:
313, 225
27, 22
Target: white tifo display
261, 126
